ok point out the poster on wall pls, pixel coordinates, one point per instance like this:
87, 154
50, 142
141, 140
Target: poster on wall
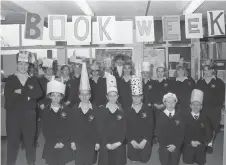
101, 54
155, 57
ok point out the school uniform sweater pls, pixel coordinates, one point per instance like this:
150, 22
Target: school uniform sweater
24, 102
170, 130
98, 91
197, 130
84, 133
160, 89
139, 125
214, 93
73, 91
56, 129
43, 81
112, 129
148, 92
183, 92
125, 93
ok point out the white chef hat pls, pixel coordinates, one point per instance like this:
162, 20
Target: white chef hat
136, 86
169, 96
48, 63
197, 95
111, 83
84, 80
146, 66
55, 86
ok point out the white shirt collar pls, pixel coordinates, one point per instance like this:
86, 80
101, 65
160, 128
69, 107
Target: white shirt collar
213, 77
137, 109
19, 74
146, 81
167, 112
55, 109
181, 79
94, 79
164, 78
84, 110
193, 114
112, 108
125, 79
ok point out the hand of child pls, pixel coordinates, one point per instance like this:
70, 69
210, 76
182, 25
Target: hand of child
67, 103
194, 144
42, 106
109, 146
142, 144
18, 91
198, 143
171, 148
73, 146
116, 145
61, 145
134, 144
97, 147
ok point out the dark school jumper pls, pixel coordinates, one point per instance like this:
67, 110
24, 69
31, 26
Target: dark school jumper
139, 126
112, 128
148, 91
196, 130
183, 92
98, 91
73, 91
125, 93
55, 130
21, 116
85, 135
170, 131
214, 96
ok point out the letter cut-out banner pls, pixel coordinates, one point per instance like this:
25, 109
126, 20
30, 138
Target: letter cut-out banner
216, 22
145, 29
106, 29
57, 27
33, 26
193, 26
82, 29
171, 28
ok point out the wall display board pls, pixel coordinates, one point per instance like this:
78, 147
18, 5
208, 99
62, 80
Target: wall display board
102, 53
155, 57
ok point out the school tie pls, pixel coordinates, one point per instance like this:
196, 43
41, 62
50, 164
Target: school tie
196, 117
170, 115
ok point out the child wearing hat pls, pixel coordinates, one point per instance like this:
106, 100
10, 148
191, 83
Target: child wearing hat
84, 133
198, 131
148, 84
48, 66
21, 94
98, 86
73, 84
214, 96
170, 130
112, 128
139, 125
56, 124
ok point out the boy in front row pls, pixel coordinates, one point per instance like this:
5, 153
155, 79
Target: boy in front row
198, 132
170, 130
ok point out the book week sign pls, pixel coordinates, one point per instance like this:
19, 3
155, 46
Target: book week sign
105, 27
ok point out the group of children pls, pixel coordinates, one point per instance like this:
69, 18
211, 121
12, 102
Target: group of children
111, 118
